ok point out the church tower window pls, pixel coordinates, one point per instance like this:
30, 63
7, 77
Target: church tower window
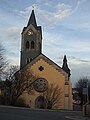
27, 45
27, 61
31, 59
32, 45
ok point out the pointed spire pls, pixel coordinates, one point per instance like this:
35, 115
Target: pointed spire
65, 66
32, 20
65, 58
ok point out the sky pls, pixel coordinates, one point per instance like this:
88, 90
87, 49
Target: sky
65, 28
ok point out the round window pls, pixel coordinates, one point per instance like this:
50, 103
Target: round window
41, 85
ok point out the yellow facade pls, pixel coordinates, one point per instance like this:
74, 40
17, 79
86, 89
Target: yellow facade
54, 75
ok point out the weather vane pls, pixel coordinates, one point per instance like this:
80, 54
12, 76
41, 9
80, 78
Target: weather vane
33, 7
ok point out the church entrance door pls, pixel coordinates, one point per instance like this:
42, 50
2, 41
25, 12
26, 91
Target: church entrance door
40, 102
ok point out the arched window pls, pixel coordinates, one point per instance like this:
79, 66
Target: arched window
27, 45
32, 45
31, 59
27, 61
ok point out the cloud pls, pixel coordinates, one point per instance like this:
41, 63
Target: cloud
79, 3
50, 14
44, 1
11, 42
79, 24
80, 17
64, 45
61, 11
12, 31
75, 60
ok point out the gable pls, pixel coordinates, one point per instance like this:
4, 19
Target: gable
43, 60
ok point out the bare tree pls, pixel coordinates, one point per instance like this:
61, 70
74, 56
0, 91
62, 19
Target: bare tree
23, 81
79, 87
3, 61
53, 96
10, 71
9, 77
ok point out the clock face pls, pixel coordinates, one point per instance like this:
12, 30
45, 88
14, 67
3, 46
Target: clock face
30, 32
41, 85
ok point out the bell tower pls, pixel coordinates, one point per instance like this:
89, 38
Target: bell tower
31, 41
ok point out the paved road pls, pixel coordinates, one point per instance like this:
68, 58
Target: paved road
11, 113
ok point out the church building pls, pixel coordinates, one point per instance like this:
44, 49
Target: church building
47, 72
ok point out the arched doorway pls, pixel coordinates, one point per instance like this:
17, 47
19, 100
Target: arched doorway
40, 102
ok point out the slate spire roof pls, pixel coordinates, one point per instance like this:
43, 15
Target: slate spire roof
32, 20
65, 66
